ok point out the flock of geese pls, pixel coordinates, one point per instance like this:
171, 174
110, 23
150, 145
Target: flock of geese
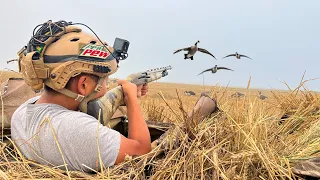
234, 95
239, 95
193, 49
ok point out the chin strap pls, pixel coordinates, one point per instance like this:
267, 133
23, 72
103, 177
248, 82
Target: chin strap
83, 107
80, 98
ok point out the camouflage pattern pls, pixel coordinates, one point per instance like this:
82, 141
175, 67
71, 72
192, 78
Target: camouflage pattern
114, 98
309, 168
109, 103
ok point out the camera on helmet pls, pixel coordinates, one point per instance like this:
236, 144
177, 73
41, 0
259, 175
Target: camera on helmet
121, 47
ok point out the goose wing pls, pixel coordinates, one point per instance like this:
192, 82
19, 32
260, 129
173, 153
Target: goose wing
229, 55
205, 51
182, 49
12, 60
205, 71
224, 68
241, 55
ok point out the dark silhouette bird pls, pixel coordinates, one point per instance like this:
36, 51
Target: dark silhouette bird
238, 56
192, 51
11, 60
215, 69
262, 97
189, 93
237, 94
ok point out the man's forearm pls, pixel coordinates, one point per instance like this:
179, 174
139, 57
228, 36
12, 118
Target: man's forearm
138, 129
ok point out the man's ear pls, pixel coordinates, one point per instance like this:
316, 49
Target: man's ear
82, 85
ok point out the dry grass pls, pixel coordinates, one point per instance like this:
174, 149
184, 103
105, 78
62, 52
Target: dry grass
245, 140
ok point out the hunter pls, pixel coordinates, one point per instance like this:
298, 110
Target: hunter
73, 67
44, 124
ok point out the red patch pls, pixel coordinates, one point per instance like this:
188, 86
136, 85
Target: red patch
94, 53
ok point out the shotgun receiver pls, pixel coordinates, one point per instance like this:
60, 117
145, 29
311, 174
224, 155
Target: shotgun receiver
114, 98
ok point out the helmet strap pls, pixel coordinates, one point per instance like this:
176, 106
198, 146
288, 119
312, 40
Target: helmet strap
84, 103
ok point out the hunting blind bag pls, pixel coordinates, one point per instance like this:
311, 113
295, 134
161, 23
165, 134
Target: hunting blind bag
14, 92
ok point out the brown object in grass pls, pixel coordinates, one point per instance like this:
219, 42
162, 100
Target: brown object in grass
14, 92
310, 168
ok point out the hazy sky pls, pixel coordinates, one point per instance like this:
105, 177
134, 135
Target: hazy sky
281, 36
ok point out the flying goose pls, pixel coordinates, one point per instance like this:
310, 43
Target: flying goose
11, 60
215, 69
192, 51
238, 56
262, 97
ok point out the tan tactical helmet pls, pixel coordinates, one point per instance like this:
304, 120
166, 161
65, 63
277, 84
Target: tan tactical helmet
59, 51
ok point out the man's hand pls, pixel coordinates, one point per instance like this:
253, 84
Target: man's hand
129, 89
142, 90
